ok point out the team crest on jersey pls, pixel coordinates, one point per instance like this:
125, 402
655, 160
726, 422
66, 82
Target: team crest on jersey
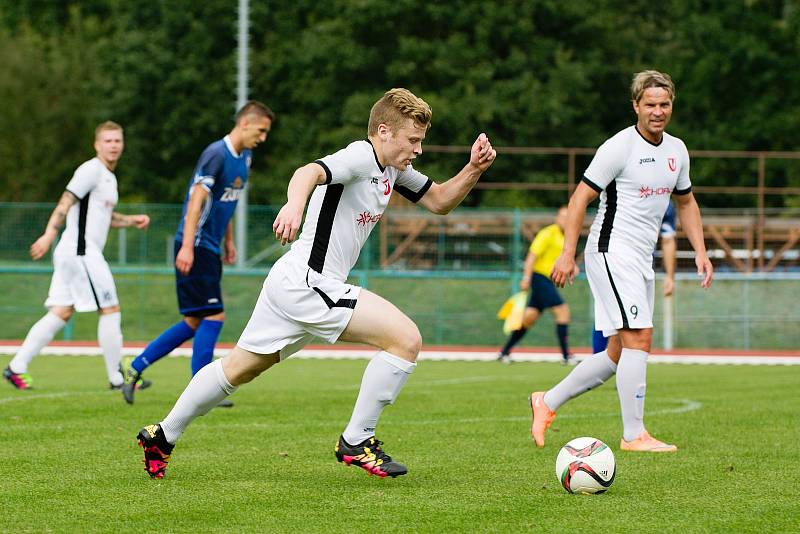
387, 187
672, 164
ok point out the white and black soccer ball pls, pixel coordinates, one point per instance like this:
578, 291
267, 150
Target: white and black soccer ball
585, 465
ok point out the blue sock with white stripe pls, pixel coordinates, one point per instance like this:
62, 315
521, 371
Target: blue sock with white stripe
204, 341
169, 339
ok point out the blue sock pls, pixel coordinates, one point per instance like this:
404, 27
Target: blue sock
162, 345
513, 339
204, 341
599, 341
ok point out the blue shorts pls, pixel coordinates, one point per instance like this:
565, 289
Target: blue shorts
199, 292
543, 293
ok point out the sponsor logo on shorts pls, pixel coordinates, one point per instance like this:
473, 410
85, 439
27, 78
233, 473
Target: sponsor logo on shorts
213, 301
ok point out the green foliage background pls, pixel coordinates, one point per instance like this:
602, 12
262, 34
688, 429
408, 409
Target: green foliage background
529, 73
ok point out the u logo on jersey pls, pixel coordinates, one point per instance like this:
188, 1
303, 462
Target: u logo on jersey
671, 163
387, 187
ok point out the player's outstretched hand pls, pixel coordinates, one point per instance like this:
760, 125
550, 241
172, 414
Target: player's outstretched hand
140, 221
704, 269
287, 223
482, 154
564, 270
40, 247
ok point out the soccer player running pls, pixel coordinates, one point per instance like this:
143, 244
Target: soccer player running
306, 294
82, 280
206, 226
634, 172
542, 255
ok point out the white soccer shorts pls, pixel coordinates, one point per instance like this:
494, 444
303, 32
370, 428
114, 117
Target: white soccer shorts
83, 282
296, 305
623, 286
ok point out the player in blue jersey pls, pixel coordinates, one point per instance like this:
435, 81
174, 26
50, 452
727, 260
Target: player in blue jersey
669, 249
205, 234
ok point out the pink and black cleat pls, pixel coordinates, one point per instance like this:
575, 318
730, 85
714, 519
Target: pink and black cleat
369, 456
157, 450
18, 380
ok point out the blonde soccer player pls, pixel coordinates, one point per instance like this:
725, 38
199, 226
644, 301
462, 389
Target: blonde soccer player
306, 294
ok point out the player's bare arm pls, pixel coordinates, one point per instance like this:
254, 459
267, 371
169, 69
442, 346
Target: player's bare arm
669, 249
120, 220
565, 268
689, 214
525, 283
303, 182
442, 198
40, 247
230, 247
185, 258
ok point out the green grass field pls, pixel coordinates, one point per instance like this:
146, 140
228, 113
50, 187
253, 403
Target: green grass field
70, 462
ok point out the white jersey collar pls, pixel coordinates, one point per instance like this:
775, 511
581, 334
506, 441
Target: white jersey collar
229, 144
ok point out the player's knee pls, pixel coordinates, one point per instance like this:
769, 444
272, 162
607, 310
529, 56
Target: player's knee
410, 343
64, 313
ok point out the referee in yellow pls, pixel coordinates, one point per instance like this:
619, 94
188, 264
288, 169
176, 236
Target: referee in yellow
543, 253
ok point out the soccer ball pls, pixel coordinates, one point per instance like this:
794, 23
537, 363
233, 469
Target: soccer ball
585, 465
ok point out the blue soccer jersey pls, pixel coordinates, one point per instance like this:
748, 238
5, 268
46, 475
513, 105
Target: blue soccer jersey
223, 173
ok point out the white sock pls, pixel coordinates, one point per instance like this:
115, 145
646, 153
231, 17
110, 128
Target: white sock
206, 389
384, 377
109, 335
589, 374
631, 387
38, 337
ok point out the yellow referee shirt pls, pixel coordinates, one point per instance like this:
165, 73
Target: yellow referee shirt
547, 246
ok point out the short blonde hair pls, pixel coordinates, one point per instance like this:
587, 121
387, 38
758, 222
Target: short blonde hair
395, 107
651, 78
104, 126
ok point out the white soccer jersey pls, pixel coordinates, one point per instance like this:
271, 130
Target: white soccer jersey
342, 213
88, 221
635, 179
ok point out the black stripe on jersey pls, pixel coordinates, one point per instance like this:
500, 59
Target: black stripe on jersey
341, 303
377, 161
592, 184
414, 196
328, 175
616, 295
91, 285
82, 212
682, 191
322, 236
608, 217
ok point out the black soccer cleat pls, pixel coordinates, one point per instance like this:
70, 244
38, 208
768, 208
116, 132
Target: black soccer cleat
369, 456
157, 450
142, 384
